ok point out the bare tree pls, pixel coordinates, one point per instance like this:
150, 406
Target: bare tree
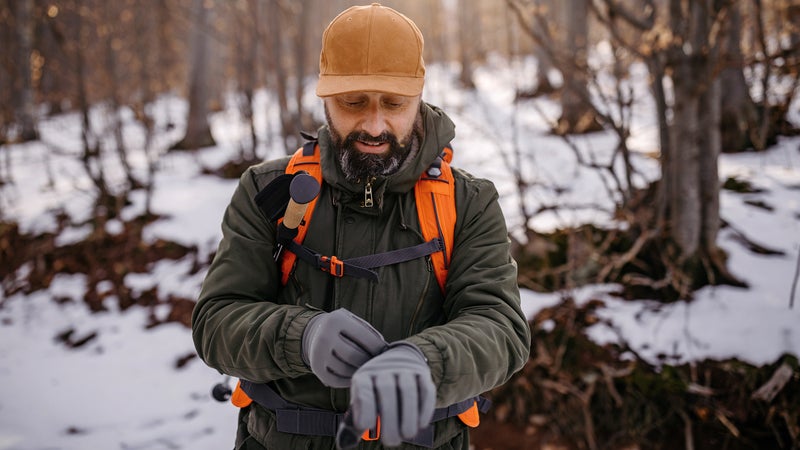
279, 74
538, 22
673, 232
689, 175
149, 41
468, 30
439, 37
738, 111
300, 35
91, 151
778, 54
245, 44
7, 27
24, 98
576, 114
113, 37
198, 130
686, 218
289, 28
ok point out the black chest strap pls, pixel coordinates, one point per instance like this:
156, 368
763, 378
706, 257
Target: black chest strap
362, 266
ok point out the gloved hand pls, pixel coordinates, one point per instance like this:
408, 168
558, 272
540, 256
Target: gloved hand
337, 343
396, 385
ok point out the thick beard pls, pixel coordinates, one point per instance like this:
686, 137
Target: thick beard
359, 167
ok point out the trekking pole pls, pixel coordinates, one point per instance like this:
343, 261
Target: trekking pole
302, 190
222, 390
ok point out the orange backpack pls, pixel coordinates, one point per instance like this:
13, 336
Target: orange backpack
436, 208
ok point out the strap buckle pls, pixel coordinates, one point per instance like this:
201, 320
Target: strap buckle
332, 265
368, 436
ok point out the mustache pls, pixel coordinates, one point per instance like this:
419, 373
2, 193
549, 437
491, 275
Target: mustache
362, 136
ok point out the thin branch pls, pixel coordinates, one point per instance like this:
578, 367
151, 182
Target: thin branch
611, 25
642, 23
617, 263
794, 282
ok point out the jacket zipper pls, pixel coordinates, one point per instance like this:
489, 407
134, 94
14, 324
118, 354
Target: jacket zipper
368, 200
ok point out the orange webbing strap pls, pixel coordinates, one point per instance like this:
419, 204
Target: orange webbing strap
470, 417
303, 159
436, 207
373, 434
309, 162
447, 154
239, 398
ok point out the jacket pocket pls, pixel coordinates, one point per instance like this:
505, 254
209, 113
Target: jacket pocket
262, 428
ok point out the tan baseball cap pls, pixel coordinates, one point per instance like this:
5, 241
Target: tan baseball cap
371, 48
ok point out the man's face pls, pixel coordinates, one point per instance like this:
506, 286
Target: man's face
372, 132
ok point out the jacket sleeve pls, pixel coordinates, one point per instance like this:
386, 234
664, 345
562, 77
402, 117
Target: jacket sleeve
237, 326
486, 338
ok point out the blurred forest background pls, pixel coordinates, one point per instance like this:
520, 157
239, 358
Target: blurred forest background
723, 75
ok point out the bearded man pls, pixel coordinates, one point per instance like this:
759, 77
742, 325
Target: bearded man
382, 339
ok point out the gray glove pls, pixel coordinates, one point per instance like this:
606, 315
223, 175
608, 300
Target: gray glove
337, 343
396, 385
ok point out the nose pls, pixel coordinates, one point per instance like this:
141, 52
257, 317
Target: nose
374, 122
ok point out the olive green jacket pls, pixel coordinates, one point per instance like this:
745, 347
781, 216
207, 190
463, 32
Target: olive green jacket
247, 325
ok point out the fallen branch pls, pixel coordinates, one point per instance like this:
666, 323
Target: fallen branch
727, 423
688, 434
701, 390
776, 383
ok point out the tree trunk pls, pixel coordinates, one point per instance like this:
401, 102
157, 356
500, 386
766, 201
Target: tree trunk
690, 179
683, 169
682, 172
739, 113
577, 116
656, 68
710, 144
244, 47
198, 130
147, 38
278, 71
303, 120
252, 77
116, 100
467, 34
544, 65
92, 151
24, 97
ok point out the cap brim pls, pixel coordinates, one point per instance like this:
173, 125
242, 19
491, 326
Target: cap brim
342, 84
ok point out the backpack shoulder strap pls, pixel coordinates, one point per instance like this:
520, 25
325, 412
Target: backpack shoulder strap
434, 194
436, 208
307, 159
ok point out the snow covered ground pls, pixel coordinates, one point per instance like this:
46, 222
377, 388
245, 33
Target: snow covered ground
124, 388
